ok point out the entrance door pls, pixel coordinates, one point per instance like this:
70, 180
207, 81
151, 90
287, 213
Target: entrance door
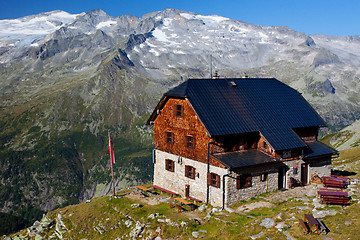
187, 190
304, 173
281, 180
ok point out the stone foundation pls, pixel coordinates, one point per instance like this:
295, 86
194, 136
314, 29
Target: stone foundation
177, 181
234, 195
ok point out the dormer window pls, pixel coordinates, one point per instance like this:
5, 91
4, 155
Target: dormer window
179, 110
287, 154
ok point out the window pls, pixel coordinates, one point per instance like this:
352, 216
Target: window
179, 110
286, 154
243, 181
189, 172
263, 177
190, 142
214, 180
169, 165
265, 145
169, 137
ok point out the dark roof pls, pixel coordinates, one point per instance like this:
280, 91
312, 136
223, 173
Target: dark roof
318, 149
282, 138
234, 106
243, 158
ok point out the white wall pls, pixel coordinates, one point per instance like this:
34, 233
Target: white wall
176, 181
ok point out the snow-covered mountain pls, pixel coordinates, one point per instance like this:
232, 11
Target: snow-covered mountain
162, 44
31, 29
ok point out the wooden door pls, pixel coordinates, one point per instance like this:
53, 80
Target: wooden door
187, 190
304, 173
281, 179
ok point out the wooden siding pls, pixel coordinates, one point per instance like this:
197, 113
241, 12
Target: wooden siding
181, 126
308, 134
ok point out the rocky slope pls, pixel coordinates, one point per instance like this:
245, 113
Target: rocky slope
347, 138
82, 75
131, 216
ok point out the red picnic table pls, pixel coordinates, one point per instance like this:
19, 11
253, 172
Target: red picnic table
334, 182
313, 223
331, 197
336, 179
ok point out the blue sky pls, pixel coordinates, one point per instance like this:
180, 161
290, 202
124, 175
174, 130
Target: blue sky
331, 17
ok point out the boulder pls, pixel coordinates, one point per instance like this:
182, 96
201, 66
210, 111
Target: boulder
259, 235
267, 222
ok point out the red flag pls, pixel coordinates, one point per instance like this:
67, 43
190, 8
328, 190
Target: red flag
111, 151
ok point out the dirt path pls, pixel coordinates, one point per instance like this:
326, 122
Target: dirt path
298, 192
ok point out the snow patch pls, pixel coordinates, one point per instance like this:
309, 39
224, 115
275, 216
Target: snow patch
187, 15
105, 24
33, 28
160, 35
178, 52
167, 21
156, 53
210, 18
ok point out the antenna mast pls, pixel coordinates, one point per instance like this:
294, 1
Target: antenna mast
211, 66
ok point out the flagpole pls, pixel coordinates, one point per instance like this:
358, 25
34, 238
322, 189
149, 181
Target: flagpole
111, 164
112, 178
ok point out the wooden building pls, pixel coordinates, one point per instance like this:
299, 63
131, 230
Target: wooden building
225, 140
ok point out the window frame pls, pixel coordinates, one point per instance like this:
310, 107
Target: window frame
244, 181
169, 136
190, 171
264, 177
179, 110
190, 141
170, 165
214, 180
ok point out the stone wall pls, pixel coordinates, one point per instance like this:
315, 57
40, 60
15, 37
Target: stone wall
320, 166
176, 181
234, 195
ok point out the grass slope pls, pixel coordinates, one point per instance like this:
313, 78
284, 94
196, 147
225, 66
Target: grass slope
116, 218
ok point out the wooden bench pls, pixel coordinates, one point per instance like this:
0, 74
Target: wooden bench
194, 199
186, 205
335, 200
173, 205
313, 223
145, 191
323, 228
334, 197
331, 189
165, 190
335, 184
304, 226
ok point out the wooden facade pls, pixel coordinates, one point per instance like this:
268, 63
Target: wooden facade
183, 126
